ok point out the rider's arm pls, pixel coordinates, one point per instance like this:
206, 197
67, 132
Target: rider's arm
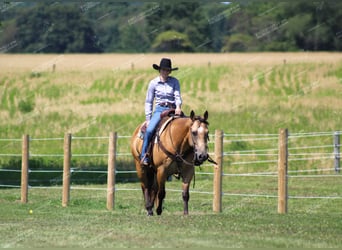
149, 100
178, 98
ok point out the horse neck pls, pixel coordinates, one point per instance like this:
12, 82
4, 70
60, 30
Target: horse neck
180, 130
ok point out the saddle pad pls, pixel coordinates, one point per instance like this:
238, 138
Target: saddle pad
160, 131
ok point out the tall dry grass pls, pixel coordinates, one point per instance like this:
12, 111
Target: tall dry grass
115, 62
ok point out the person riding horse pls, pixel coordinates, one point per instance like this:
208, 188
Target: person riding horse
165, 90
181, 145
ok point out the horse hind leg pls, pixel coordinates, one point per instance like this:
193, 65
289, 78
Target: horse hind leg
150, 192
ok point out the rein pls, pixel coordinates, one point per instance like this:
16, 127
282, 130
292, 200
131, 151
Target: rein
211, 160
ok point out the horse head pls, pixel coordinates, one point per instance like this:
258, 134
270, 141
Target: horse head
199, 137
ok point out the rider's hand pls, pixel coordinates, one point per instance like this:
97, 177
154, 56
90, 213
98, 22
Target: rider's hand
178, 111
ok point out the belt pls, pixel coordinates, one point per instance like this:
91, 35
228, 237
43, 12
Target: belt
167, 104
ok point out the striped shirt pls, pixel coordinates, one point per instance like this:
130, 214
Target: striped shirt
162, 92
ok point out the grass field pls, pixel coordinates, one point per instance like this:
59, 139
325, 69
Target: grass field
92, 95
244, 222
95, 94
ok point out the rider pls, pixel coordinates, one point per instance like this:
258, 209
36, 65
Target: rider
165, 90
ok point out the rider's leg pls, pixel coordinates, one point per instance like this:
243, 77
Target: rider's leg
149, 132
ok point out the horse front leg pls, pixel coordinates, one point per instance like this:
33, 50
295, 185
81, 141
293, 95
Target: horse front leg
186, 197
161, 196
161, 178
148, 201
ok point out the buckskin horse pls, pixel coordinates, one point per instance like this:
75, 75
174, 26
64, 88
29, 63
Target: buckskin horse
181, 143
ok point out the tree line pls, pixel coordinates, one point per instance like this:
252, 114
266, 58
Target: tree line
130, 27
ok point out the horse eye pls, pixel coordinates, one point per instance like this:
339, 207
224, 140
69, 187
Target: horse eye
194, 133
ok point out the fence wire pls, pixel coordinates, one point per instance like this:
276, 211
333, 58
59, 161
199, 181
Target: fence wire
243, 152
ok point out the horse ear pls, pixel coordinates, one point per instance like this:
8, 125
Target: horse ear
206, 115
192, 115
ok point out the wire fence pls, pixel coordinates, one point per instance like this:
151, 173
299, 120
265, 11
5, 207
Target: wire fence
310, 156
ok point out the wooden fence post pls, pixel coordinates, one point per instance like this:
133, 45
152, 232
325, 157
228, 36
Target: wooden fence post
66, 170
337, 151
282, 171
217, 200
111, 170
24, 168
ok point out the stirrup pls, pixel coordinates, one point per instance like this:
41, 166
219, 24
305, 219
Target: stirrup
145, 161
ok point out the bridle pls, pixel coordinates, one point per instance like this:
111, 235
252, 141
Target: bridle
194, 141
197, 163
179, 157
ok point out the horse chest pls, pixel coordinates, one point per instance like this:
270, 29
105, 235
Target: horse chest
173, 168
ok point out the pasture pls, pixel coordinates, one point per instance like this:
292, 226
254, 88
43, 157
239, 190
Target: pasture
47, 96
244, 221
94, 94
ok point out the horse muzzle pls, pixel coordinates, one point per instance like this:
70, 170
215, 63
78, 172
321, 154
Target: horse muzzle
200, 158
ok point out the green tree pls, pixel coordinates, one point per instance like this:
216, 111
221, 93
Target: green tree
313, 25
133, 39
60, 27
186, 18
239, 43
55, 28
172, 41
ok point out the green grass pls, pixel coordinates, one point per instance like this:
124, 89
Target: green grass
244, 221
71, 94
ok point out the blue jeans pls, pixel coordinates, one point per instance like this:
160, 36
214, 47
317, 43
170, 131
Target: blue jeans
151, 128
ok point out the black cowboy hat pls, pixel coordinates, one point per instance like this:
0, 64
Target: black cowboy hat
165, 63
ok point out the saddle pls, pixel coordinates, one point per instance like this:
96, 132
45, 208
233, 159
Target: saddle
170, 113
167, 113
166, 117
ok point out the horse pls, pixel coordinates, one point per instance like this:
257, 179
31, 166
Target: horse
181, 145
